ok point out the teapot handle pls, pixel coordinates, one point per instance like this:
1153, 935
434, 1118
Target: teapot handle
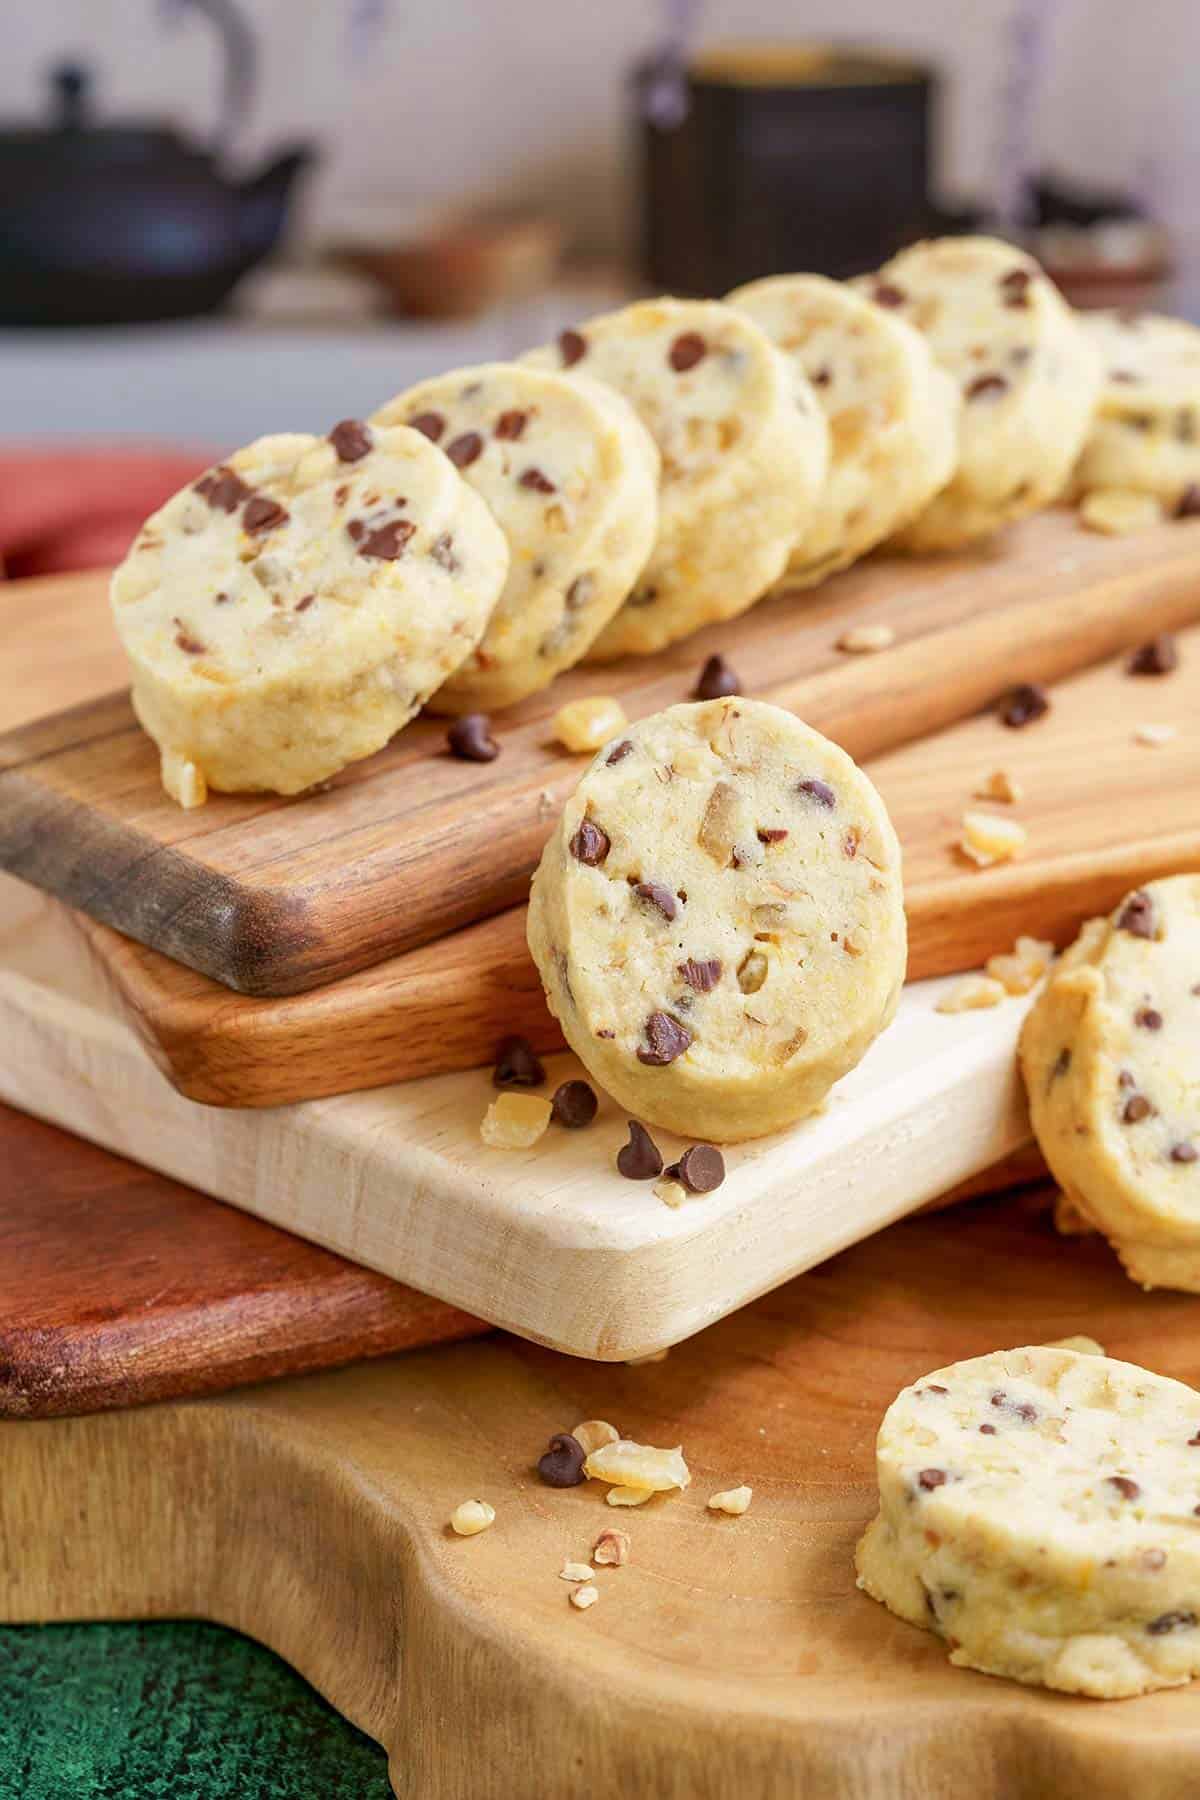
241, 62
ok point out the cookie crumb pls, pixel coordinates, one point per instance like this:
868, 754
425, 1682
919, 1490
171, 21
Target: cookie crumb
515, 1121
1155, 735
588, 724
972, 994
733, 1500
1000, 785
1084, 1346
573, 1571
472, 1517
863, 640
184, 781
1020, 969
593, 1433
585, 1596
1117, 512
611, 1548
987, 839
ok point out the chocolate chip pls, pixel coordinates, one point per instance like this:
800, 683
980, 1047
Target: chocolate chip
619, 752
932, 1478
716, 681
192, 646
1180, 1620
562, 1464
470, 739
988, 1430
430, 425
223, 490
517, 1064
590, 844
1127, 1488
1061, 1064
574, 1105
571, 346
770, 834
639, 1159
303, 605
262, 514
1015, 287
1188, 504
442, 552
1125, 376
933, 1387
666, 1039
1137, 1108
1137, 916
386, 543
688, 349
537, 482
511, 424
986, 384
820, 791
886, 293
821, 377
657, 895
352, 440
1023, 705
1158, 657
222, 599
701, 975
1184, 1153
1193, 1441
1149, 1018
701, 1169
465, 449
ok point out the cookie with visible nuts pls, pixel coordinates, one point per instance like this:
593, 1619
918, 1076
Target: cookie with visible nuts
1145, 434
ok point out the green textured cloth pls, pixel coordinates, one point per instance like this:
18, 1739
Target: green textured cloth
169, 1712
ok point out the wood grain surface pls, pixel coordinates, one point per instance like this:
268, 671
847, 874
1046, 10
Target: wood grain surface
276, 897
730, 1657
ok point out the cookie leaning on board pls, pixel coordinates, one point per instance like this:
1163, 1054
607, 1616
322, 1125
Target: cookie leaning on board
1145, 436
892, 412
1037, 1511
744, 449
571, 476
1111, 1058
718, 921
287, 613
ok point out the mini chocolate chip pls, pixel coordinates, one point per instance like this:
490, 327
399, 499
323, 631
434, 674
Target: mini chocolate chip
717, 680
1137, 1108
562, 1464
886, 293
1158, 657
470, 739
701, 975
1125, 1486
386, 543
1017, 280
1193, 1441
639, 1159
442, 552
821, 377
1061, 1064
352, 440
1023, 704
933, 1387
702, 1168
511, 424
1180, 1620
1149, 1018
688, 349
537, 482
932, 1478
303, 605
666, 1039
1184, 1153
465, 449
658, 896
223, 490
192, 646
986, 384
820, 791
574, 1105
988, 1430
572, 345
517, 1064
590, 844
262, 514
429, 424
1188, 504
1137, 915
580, 592
1126, 376
619, 752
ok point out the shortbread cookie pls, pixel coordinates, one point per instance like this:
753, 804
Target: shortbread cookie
289, 611
892, 412
718, 920
1037, 1510
744, 452
1146, 432
1028, 375
571, 476
1111, 1057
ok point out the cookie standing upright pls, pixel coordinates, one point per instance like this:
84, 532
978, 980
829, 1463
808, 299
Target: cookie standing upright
1111, 1058
292, 609
1145, 436
892, 412
744, 450
571, 475
1037, 1510
718, 919
1028, 375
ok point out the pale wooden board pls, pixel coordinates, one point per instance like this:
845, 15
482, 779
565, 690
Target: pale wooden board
551, 1242
276, 897
730, 1659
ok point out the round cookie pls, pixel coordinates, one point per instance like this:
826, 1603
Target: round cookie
1111, 1057
1028, 375
1037, 1510
288, 612
1146, 432
571, 476
744, 450
893, 414
718, 918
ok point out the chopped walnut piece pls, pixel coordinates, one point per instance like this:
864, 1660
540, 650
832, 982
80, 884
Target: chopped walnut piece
1020, 969
1000, 785
987, 839
719, 826
971, 994
732, 1500
472, 1517
585, 1596
672, 1193
628, 1496
611, 1548
588, 724
594, 1432
638, 1466
861, 640
573, 1571
1085, 1346
183, 780
515, 1121
1155, 735
1119, 511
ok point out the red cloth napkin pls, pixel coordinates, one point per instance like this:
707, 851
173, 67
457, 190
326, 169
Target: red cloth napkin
79, 508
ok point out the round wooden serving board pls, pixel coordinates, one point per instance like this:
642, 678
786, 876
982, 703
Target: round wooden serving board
732, 1657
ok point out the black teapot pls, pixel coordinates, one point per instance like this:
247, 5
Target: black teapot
104, 224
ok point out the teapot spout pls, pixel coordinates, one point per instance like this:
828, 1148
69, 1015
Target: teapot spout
263, 200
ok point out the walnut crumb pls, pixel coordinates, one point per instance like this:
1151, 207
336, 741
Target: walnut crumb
585, 1596
862, 640
588, 724
1020, 969
988, 839
672, 1193
731, 1500
972, 994
1000, 785
594, 1432
515, 1121
629, 1496
472, 1517
573, 1571
1155, 735
611, 1548
632, 1465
